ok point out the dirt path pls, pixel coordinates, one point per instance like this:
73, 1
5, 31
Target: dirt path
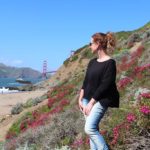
6, 103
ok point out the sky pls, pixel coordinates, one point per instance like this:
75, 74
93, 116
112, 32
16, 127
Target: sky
32, 31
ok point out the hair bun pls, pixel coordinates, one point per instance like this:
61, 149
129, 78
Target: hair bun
109, 35
106, 41
111, 42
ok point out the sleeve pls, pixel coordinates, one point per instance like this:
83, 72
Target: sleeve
109, 77
85, 80
86, 77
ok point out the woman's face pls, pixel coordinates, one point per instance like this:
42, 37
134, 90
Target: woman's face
93, 46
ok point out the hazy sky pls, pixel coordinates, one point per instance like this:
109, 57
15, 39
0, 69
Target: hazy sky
32, 31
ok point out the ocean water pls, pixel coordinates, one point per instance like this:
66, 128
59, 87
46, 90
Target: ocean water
11, 82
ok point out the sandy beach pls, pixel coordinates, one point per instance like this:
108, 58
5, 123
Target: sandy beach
7, 101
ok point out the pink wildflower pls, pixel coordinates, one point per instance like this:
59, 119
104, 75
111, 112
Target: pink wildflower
77, 143
145, 110
131, 117
145, 95
141, 68
123, 82
64, 102
116, 135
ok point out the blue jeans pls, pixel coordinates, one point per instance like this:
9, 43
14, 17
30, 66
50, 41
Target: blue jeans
97, 141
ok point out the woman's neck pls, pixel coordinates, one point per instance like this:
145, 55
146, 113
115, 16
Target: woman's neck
102, 55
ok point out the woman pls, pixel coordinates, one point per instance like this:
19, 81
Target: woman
99, 89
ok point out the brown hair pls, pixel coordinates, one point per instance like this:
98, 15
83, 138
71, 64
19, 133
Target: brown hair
107, 41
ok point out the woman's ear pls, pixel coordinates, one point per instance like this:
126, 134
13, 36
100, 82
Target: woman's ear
98, 46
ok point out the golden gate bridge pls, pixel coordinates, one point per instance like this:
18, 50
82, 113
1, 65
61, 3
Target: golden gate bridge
45, 72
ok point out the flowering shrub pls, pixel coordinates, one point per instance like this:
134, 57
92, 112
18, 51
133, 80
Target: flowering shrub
38, 118
127, 63
77, 143
143, 99
137, 53
64, 127
120, 131
60, 90
115, 135
51, 102
141, 68
60, 129
131, 117
23, 125
146, 95
124, 81
56, 110
10, 135
139, 92
81, 142
145, 110
64, 102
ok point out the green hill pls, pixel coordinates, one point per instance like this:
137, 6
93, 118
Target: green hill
59, 123
14, 72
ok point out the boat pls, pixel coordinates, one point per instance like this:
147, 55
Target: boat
20, 80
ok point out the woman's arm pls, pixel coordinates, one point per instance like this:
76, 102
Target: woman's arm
81, 94
80, 99
85, 82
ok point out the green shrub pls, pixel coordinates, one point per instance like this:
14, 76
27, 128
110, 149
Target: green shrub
1, 145
43, 97
17, 108
66, 62
87, 53
44, 109
32, 102
123, 34
74, 58
28, 103
37, 100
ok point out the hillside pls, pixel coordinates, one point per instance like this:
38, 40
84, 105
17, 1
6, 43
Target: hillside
14, 72
59, 124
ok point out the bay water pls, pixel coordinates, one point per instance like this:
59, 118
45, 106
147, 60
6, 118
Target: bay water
11, 82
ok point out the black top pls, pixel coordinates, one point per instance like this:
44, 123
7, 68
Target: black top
99, 82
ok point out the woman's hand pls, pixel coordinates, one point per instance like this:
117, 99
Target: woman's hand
89, 106
80, 105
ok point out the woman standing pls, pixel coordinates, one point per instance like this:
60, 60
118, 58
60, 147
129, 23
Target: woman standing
99, 89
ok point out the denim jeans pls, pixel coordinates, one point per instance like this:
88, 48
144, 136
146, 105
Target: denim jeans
97, 141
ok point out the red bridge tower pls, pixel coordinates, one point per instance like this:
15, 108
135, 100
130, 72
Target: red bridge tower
44, 69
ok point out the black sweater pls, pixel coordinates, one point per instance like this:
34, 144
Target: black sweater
99, 82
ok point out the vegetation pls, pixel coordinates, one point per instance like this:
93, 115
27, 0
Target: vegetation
17, 108
59, 124
123, 35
